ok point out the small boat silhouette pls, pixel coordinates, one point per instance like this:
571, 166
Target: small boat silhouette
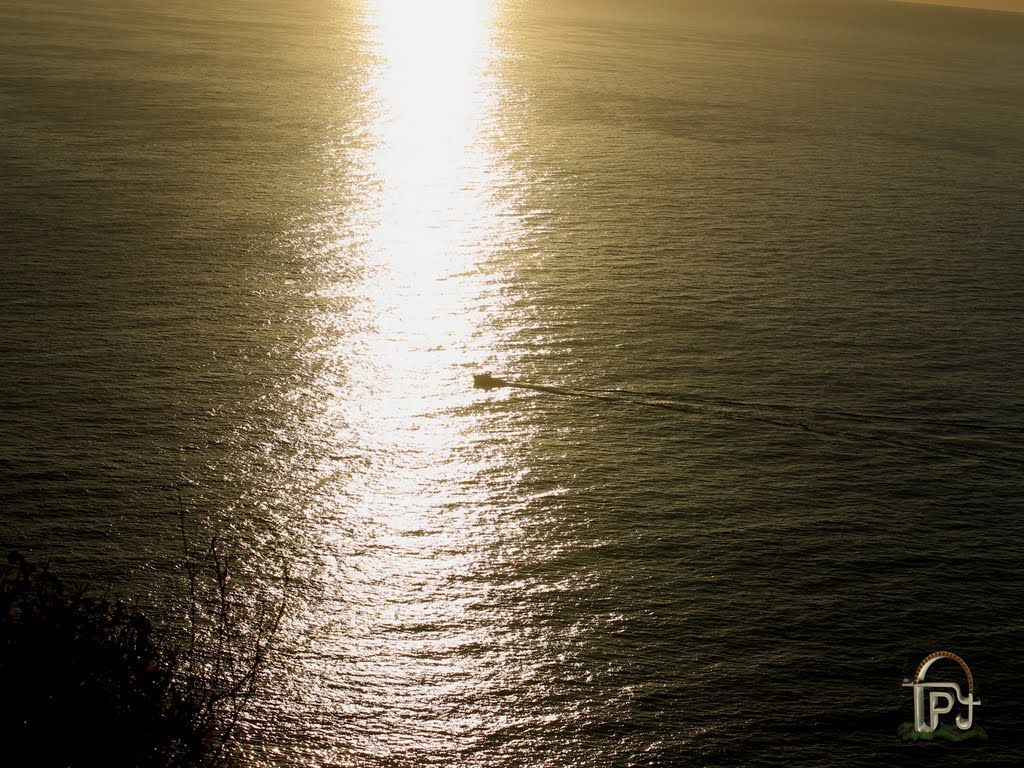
486, 381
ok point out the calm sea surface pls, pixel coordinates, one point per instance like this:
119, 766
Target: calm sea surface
764, 259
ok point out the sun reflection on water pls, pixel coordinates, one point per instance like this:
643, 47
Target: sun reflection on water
396, 500
429, 218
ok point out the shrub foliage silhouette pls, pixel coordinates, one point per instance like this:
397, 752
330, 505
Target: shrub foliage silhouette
86, 681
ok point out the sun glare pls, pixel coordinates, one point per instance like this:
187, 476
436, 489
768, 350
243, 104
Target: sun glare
423, 223
430, 98
430, 104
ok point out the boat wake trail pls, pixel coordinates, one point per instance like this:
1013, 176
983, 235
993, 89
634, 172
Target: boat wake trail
972, 440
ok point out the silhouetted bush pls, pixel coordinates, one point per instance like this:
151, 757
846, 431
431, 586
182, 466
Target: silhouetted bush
85, 681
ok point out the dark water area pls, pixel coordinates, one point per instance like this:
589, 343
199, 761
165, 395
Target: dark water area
756, 267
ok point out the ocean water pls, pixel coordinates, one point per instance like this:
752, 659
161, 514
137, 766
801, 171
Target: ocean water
757, 263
